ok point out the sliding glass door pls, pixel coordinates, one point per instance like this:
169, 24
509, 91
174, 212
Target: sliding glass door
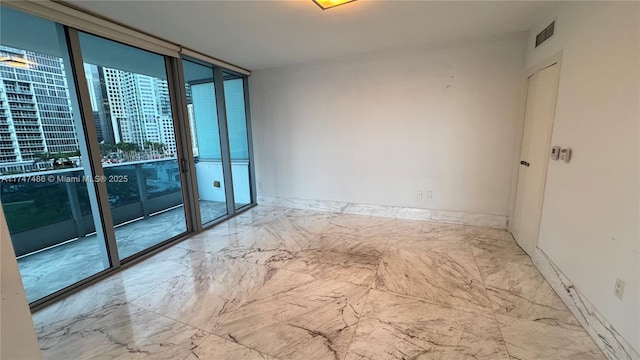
205, 140
109, 151
50, 206
132, 111
235, 102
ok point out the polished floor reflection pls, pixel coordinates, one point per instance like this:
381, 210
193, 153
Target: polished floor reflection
276, 283
52, 269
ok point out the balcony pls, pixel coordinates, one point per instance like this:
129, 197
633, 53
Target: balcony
29, 138
17, 106
18, 91
23, 114
52, 227
23, 129
26, 100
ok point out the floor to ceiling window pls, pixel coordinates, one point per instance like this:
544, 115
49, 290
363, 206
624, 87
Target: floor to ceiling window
205, 139
235, 102
43, 160
94, 137
131, 107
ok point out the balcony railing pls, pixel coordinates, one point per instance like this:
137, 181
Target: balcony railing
29, 138
18, 91
22, 107
41, 214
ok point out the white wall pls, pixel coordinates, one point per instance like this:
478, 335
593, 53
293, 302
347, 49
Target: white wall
17, 334
375, 129
591, 218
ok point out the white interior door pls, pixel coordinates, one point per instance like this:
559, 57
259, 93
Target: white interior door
534, 155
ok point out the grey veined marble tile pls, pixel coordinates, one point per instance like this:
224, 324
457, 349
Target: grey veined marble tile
278, 283
295, 316
428, 229
397, 327
360, 225
259, 215
260, 245
117, 330
343, 257
333, 265
546, 339
151, 273
440, 278
421, 244
216, 348
301, 225
351, 244
514, 286
204, 296
476, 232
499, 251
518, 289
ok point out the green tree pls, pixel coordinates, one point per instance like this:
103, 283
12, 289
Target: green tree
72, 153
154, 147
43, 157
106, 149
58, 156
129, 149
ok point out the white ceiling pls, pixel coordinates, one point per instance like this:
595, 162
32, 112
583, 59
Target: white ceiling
263, 34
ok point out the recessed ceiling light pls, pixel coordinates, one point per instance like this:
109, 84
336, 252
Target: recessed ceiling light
328, 4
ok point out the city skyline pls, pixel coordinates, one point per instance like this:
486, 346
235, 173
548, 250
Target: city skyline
36, 113
35, 110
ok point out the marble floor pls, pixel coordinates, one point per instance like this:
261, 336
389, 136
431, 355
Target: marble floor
277, 283
57, 267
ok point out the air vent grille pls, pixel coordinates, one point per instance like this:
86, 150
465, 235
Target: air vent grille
545, 34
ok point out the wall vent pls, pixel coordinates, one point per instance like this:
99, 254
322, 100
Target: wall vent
545, 34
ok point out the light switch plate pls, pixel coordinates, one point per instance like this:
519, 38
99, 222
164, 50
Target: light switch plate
565, 154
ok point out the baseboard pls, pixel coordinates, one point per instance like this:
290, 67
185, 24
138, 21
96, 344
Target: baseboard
397, 212
614, 346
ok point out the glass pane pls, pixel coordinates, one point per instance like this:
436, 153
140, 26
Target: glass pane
238, 138
205, 138
132, 114
42, 178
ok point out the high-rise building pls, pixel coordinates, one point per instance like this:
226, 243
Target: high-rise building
36, 115
35, 109
140, 107
100, 105
192, 128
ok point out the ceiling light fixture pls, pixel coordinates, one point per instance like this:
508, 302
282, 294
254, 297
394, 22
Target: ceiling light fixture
328, 4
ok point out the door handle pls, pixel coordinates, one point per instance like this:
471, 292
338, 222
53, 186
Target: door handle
183, 165
524, 163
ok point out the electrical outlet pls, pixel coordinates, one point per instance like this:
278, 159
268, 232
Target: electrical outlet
419, 194
429, 195
618, 290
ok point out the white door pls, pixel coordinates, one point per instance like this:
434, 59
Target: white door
534, 155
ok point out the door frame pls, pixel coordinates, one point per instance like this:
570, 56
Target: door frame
555, 59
